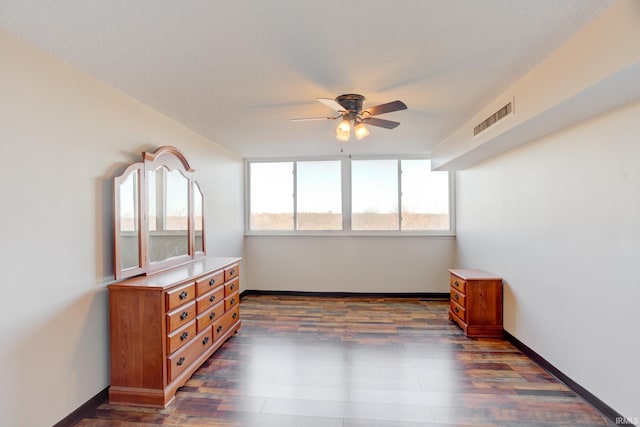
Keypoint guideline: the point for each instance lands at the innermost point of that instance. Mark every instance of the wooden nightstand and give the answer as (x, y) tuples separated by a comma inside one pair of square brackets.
[(476, 302)]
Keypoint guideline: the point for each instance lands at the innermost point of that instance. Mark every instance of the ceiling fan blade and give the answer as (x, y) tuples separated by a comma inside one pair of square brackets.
[(387, 124), (306, 119), (331, 103), (385, 108)]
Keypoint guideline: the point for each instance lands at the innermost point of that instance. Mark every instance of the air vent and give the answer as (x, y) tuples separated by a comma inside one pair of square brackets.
[(493, 119)]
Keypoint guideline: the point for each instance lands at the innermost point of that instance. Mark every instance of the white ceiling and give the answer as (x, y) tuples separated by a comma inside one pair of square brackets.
[(237, 71)]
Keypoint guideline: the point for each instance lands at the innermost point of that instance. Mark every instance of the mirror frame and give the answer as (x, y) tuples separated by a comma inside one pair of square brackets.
[(173, 159)]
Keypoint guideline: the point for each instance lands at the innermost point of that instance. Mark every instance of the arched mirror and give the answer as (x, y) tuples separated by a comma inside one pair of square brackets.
[(158, 214), (168, 210)]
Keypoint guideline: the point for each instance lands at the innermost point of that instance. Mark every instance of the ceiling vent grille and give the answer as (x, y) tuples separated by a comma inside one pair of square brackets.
[(493, 119)]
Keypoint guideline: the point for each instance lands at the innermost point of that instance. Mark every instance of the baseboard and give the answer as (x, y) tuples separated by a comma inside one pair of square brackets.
[(84, 410), (425, 295), (605, 409)]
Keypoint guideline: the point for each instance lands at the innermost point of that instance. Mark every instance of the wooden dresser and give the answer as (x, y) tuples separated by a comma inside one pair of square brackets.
[(164, 326), (476, 302)]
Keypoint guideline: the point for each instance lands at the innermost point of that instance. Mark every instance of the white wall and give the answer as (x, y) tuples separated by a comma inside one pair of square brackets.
[(349, 264), (559, 219), (63, 135)]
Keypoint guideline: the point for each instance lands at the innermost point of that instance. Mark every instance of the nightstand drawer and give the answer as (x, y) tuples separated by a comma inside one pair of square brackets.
[(459, 311), (458, 297), (458, 284)]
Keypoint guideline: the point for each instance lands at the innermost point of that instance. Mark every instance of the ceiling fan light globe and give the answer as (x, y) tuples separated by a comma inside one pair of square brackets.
[(361, 131), (343, 130), (344, 126), (343, 135)]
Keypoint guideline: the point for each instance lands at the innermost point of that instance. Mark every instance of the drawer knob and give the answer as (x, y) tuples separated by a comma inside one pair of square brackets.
[(232, 287), (184, 336), (233, 301), (455, 296), (235, 315), (212, 282), (205, 341), (183, 294), (184, 315), (219, 328), (212, 315), (232, 272), (456, 310), (456, 283), (212, 298), (180, 361)]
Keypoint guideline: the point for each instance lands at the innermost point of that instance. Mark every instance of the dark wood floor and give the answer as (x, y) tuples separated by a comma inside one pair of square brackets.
[(356, 362)]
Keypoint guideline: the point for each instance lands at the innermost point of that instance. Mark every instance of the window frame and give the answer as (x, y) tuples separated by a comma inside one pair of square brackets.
[(346, 183)]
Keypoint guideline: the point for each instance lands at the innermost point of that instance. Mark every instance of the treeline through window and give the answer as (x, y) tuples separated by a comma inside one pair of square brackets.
[(348, 195)]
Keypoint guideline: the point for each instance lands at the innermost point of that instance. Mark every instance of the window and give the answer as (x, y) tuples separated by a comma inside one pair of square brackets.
[(319, 195), (374, 195), (353, 196), (271, 196), (424, 196)]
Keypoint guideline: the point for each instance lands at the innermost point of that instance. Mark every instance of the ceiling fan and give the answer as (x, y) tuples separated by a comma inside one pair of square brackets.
[(349, 109)]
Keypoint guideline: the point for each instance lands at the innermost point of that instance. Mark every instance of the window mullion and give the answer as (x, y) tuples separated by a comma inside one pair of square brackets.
[(346, 194), (295, 195), (452, 197), (399, 194)]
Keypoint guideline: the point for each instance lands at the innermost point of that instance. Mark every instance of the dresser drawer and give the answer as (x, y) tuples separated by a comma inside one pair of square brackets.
[(458, 283), (181, 316), (459, 311), (458, 297), (231, 287), (222, 325), (206, 301), (181, 359), (208, 317), (209, 282), (231, 272), (180, 295), (180, 337), (231, 301)]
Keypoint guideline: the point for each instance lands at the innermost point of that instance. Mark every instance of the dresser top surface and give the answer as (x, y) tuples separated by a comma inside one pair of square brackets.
[(471, 274), (177, 275)]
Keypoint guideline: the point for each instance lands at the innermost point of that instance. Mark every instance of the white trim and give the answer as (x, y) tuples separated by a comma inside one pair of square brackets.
[(339, 233)]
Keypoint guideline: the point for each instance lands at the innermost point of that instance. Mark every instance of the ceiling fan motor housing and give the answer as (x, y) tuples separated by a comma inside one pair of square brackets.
[(351, 102)]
